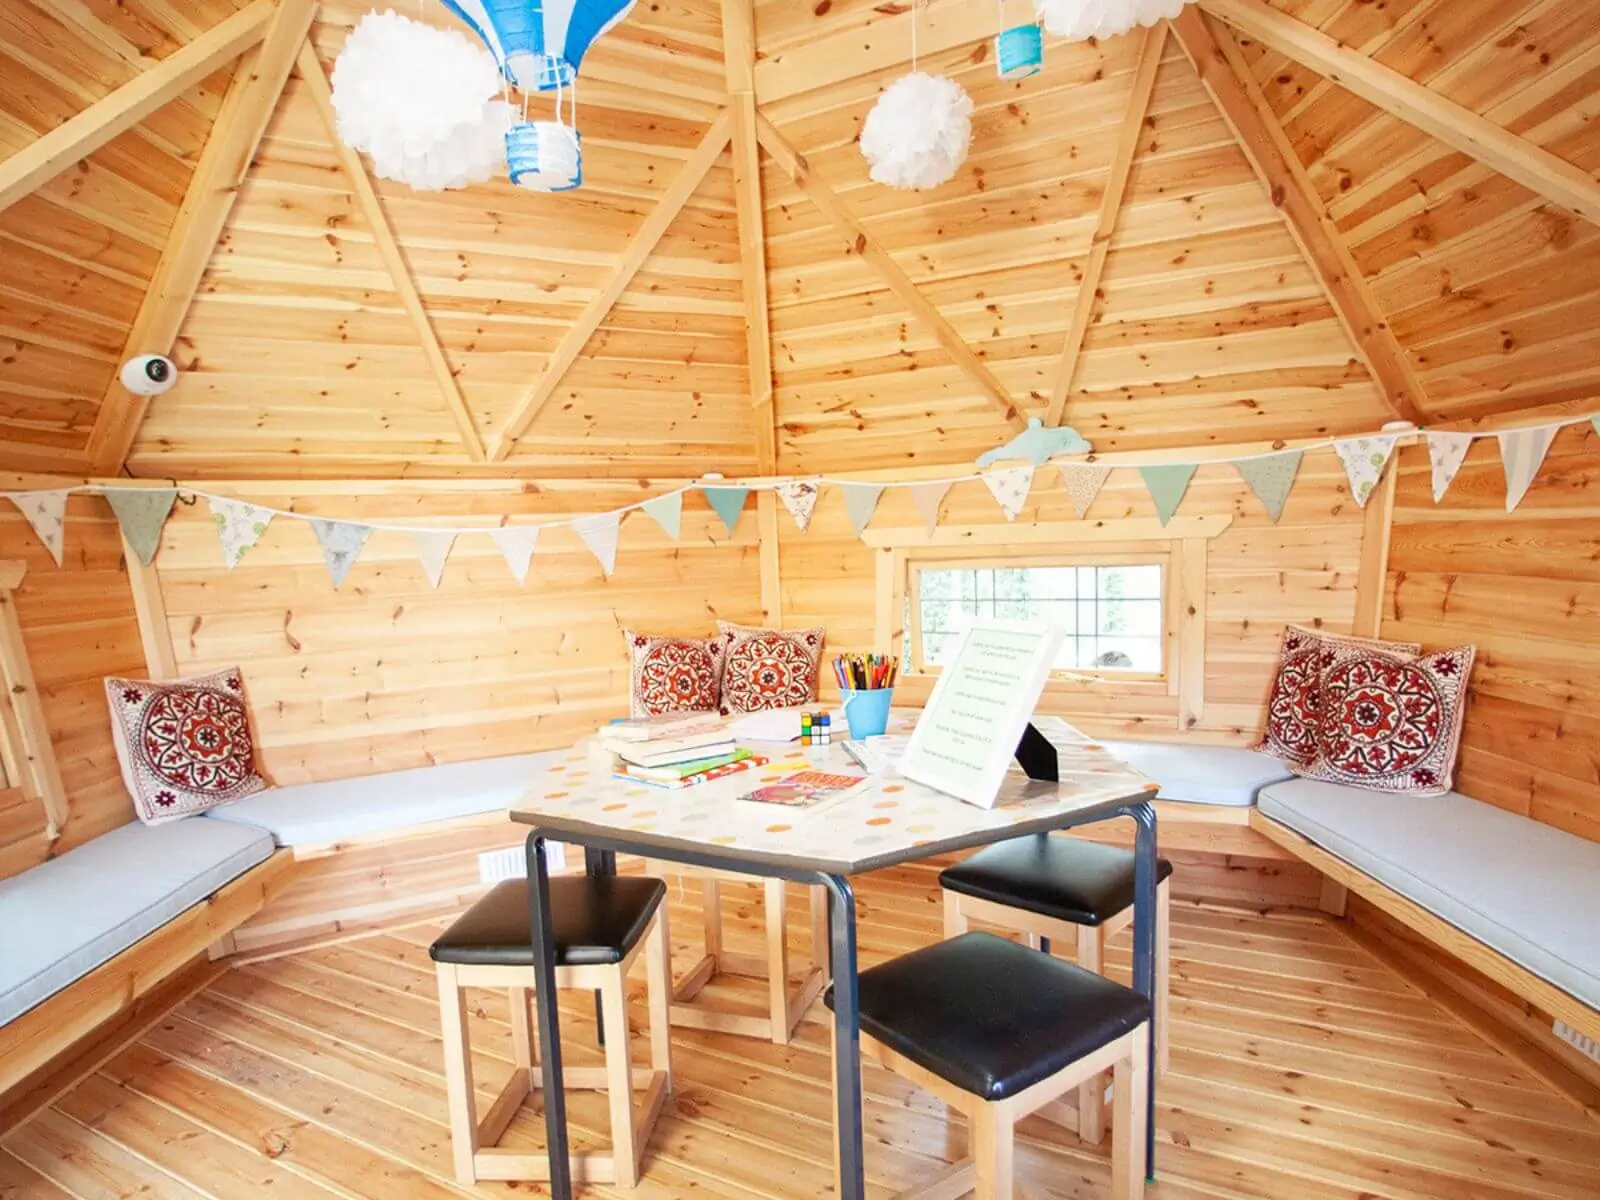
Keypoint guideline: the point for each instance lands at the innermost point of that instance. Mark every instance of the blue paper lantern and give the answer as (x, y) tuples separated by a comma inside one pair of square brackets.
[(539, 44), (544, 156), (1019, 51)]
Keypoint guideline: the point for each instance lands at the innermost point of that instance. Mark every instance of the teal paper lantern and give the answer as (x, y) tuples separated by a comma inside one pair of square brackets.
[(1019, 51)]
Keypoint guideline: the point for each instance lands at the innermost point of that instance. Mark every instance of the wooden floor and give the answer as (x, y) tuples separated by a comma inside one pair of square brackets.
[(1302, 1068)]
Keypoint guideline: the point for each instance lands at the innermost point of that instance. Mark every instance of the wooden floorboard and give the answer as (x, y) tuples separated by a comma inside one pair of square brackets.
[(1303, 1068)]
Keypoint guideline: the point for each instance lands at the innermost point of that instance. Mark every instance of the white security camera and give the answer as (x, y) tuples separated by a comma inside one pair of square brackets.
[(149, 374)]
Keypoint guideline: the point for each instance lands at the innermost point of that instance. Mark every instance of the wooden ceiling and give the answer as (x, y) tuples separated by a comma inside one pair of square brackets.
[(1180, 236)]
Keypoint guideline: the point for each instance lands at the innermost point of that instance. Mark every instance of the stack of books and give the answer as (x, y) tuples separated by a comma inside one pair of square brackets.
[(677, 751)]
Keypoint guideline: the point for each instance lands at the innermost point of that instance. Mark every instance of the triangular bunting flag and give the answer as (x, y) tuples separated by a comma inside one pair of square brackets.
[(141, 513), (47, 513), (1522, 453), (1166, 485), (239, 526), (1009, 487), (928, 497), (341, 543), (861, 501), (799, 496), (667, 512), (1595, 421), (1083, 484), (1364, 460), (728, 503), (1270, 478), (517, 543), (599, 533), (1446, 453), (433, 546)]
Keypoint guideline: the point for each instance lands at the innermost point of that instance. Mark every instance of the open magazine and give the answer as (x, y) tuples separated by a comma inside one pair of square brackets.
[(806, 789)]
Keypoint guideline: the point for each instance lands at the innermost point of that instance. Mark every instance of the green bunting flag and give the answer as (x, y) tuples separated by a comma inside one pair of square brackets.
[(667, 512), (728, 502), (1270, 478), (861, 501), (141, 513), (1166, 485)]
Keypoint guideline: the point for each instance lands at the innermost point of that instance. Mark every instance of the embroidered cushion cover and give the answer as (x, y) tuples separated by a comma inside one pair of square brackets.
[(1294, 708), (184, 745), (768, 668), (674, 674)]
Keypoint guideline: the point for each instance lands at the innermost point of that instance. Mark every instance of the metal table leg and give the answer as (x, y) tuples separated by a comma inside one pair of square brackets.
[(1144, 950), (846, 1040), (549, 1020)]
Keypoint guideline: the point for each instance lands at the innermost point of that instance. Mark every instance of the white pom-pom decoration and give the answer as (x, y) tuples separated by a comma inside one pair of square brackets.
[(1079, 20), (917, 134)]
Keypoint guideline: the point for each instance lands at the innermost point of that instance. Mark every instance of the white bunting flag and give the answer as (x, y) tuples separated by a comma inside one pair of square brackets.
[(239, 526), (861, 501), (1083, 484), (1009, 486), (517, 544), (928, 497), (433, 546), (667, 512), (341, 543), (47, 513), (799, 496), (1446, 453), (141, 515), (599, 533), (1364, 460), (1522, 453), (1270, 478)]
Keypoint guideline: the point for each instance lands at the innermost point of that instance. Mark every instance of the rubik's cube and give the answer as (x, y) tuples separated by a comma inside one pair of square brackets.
[(815, 729)]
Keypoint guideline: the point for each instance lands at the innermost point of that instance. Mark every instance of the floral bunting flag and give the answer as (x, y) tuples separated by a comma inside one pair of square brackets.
[(1522, 453), (239, 526), (1083, 484), (517, 544), (1446, 453), (861, 501), (47, 513), (1270, 478), (599, 533), (141, 514), (799, 496), (728, 503), (1364, 460), (341, 543), (1009, 487), (667, 512), (433, 546), (1166, 485), (928, 497)]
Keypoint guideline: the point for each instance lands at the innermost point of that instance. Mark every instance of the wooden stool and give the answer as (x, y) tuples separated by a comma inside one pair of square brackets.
[(997, 1032), (601, 924), (786, 1006), (1072, 890)]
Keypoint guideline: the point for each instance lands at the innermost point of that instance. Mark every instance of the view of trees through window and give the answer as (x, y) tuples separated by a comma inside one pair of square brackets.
[(1111, 614)]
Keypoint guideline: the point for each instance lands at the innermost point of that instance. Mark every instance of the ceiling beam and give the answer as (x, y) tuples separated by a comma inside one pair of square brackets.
[(371, 205), (77, 138), (1144, 84), (1531, 165), (1233, 88), (246, 109), (639, 248), (860, 243)]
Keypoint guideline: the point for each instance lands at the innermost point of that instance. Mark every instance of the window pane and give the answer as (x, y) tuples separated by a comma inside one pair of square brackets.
[(1140, 582), (1140, 618)]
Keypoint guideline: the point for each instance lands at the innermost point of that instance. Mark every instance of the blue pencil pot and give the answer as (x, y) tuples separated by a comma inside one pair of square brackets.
[(867, 712), (1019, 51)]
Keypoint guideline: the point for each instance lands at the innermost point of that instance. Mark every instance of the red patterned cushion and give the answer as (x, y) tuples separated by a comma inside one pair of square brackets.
[(184, 746), (768, 668), (673, 674), (1294, 708), (1392, 722)]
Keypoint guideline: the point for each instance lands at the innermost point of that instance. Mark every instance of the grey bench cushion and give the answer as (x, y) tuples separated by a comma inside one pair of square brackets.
[(1528, 890), (62, 919), (1219, 775)]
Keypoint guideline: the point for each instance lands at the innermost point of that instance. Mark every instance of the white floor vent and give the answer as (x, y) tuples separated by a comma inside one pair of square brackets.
[(512, 863), (1585, 1045)]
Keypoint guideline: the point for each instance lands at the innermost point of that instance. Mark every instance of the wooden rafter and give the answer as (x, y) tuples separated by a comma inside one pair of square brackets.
[(859, 242), (220, 173), (405, 286), (1238, 97), (76, 139), (1144, 84), (639, 249), (1531, 165)]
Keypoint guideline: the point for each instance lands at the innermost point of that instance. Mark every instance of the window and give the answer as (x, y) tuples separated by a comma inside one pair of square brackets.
[(1112, 613)]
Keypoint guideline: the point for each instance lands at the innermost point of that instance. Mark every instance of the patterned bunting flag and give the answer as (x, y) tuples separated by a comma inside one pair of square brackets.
[(239, 526), (799, 496), (47, 513), (667, 512), (1009, 487), (928, 497), (433, 546), (141, 512), (1270, 478), (341, 543), (861, 501), (517, 543), (1166, 485), (1446, 453), (728, 503), (1364, 460), (599, 533), (1595, 421), (1522, 453), (1083, 484)]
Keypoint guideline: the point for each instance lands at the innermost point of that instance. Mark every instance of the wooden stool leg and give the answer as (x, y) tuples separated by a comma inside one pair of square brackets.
[(459, 1094), (821, 934), (1129, 1086), (1163, 973), (992, 1135), (658, 993), (777, 903), (522, 1045), (955, 921), (619, 1080), (1092, 1091), (711, 913)]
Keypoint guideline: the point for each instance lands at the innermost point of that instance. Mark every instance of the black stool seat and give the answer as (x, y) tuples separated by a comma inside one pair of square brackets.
[(1066, 878), (597, 920), (992, 1017)]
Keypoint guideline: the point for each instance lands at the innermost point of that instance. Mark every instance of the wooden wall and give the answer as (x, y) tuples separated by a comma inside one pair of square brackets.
[(1525, 588)]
